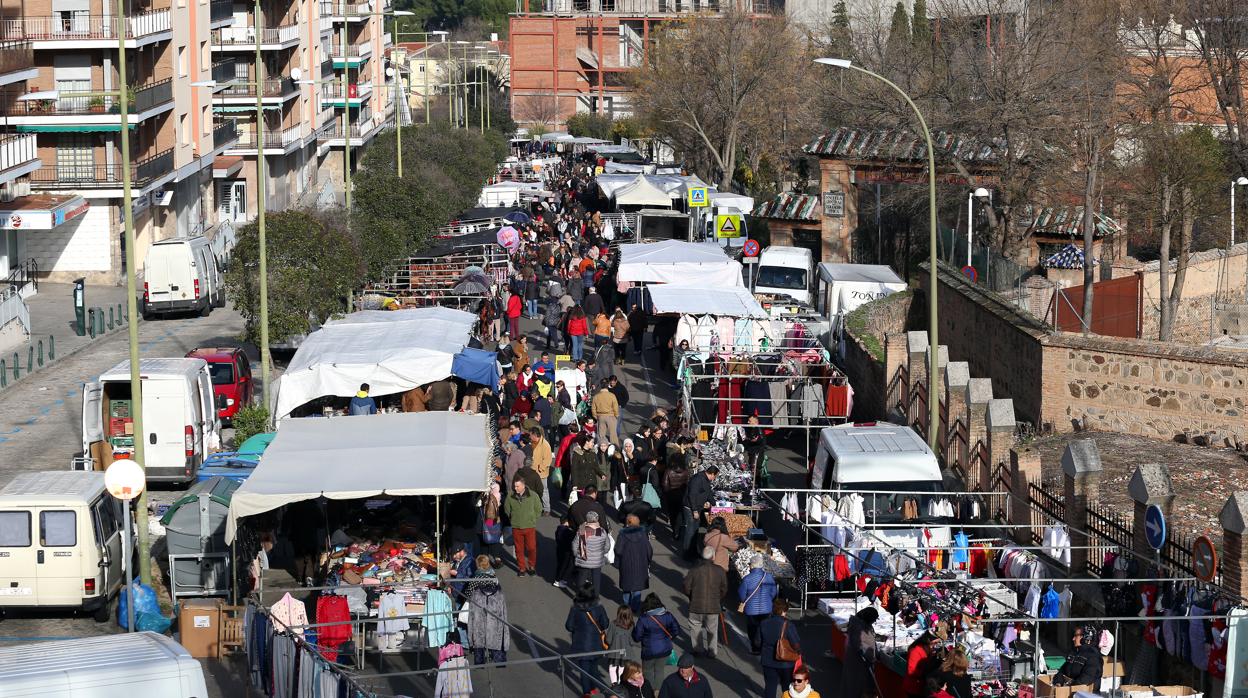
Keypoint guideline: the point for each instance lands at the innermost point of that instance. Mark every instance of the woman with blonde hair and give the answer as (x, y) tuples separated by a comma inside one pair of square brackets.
[(953, 673)]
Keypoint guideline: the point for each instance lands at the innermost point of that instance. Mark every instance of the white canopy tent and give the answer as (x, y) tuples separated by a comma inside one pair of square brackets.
[(730, 302), (642, 192), (696, 264), (400, 454), (508, 193), (391, 350)]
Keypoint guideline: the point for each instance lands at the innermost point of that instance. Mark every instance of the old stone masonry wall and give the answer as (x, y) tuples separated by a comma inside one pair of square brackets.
[(1145, 388)]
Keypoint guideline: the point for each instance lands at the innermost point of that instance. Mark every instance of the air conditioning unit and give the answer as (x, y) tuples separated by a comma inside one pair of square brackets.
[(11, 190)]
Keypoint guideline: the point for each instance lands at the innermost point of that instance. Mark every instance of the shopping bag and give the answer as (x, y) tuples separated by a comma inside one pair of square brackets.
[(672, 659), (610, 556), (650, 496), (556, 476)]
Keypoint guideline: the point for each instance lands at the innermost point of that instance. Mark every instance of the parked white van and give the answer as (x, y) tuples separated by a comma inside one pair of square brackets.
[(60, 543), (785, 271), (110, 666), (182, 274), (180, 422), (874, 457)]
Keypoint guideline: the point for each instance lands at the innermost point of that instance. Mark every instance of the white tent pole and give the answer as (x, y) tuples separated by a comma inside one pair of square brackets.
[(437, 531)]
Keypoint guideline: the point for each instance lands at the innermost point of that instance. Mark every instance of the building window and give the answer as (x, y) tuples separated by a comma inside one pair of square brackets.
[(205, 118), (75, 158), (205, 54), (184, 133), (182, 63)]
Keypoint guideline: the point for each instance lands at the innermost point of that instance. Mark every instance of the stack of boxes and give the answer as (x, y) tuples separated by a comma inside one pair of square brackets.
[(120, 427)]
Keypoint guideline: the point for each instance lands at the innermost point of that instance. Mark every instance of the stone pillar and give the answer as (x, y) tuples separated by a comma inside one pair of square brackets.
[(1001, 429), (957, 373), (1081, 470), (837, 231), (916, 351), (1024, 468), (895, 355), (942, 360), (1234, 520), (1150, 484), (978, 395)]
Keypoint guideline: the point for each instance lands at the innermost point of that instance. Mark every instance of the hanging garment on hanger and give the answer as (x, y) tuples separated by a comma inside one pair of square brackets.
[(811, 402), (454, 679), (1050, 603), (838, 400), (1057, 543), (757, 400), (961, 553), (743, 335), (392, 610), (686, 330), (1031, 603), (850, 507), (333, 610), (283, 664), (779, 394), (288, 612), (1063, 607), (438, 619)]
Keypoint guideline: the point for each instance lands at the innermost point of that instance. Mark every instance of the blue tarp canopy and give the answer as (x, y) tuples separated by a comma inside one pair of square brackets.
[(476, 366)]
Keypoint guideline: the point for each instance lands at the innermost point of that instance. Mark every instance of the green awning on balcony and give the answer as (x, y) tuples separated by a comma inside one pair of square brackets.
[(72, 128)]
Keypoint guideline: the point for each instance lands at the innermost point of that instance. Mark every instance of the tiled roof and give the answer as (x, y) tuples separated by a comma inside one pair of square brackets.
[(885, 144), (1068, 220), (790, 206)]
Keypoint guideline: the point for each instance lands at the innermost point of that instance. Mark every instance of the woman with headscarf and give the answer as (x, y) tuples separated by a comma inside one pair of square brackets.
[(858, 672)]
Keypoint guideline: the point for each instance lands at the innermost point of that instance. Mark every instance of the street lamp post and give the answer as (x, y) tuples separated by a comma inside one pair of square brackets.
[(1242, 181), (983, 195), (933, 400), (442, 40)]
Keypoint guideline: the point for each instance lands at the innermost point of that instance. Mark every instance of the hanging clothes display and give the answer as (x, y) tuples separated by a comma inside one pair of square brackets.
[(1057, 543), (438, 621), (332, 610), (289, 612)]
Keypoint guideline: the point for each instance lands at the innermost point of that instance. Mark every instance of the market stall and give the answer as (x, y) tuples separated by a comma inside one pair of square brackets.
[(641, 193), (392, 351), (695, 264)]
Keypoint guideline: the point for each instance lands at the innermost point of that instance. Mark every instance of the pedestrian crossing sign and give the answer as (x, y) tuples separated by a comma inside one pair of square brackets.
[(728, 225), (697, 197)]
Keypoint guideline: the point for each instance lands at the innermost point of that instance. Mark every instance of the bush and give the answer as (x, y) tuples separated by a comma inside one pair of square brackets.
[(249, 421)]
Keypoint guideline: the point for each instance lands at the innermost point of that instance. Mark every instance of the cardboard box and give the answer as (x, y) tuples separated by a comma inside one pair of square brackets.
[(1177, 692), (120, 426), (199, 626), (1046, 689)]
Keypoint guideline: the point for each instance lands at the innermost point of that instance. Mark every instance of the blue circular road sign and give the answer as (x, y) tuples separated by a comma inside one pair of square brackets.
[(1154, 527)]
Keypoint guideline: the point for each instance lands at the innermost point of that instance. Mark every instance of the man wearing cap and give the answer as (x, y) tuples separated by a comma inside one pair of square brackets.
[(685, 682), (462, 567)]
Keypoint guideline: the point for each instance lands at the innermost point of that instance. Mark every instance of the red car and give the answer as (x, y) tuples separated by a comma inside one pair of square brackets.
[(231, 377)]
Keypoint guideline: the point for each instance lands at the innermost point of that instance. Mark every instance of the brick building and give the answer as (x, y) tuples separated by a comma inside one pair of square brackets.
[(570, 56)]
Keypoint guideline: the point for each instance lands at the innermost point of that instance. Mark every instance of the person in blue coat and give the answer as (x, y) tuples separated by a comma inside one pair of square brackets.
[(657, 631), (362, 403), (587, 621), (776, 673), (756, 592)]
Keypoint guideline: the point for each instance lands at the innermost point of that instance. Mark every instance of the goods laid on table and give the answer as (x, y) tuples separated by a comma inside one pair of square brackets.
[(734, 487), (774, 560)]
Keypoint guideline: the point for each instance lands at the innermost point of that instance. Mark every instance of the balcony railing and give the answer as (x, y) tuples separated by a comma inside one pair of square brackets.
[(358, 129), (144, 97), (387, 39), (78, 176), (221, 9), (333, 91), (272, 138), (16, 55), (352, 50), (224, 133), (17, 149), (223, 71), (246, 36), (79, 27), (272, 88), (345, 9)]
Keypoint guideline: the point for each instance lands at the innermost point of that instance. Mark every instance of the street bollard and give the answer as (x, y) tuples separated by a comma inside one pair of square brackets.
[(4, 374), (121, 315), (17, 366), (110, 317), (51, 347), (30, 359), (41, 353), (91, 322)]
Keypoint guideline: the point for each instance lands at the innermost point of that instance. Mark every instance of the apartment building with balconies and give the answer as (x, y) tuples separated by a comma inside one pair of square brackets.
[(68, 103)]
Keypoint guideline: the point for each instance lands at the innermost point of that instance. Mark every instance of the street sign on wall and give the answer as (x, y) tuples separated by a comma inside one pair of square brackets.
[(834, 203)]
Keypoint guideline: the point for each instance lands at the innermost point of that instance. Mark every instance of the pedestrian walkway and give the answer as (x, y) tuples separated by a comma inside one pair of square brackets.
[(52, 313)]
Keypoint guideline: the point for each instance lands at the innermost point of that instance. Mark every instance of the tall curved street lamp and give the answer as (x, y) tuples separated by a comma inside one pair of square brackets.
[(933, 395)]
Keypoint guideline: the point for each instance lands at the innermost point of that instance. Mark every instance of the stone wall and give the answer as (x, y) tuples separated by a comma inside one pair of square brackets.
[(867, 330), (1149, 388), (1208, 273), (869, 379)]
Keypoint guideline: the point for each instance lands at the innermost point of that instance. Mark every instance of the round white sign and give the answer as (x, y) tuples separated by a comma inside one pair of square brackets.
[(124, 479)]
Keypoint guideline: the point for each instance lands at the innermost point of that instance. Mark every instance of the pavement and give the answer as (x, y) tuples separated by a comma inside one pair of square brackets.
[(40, 428)]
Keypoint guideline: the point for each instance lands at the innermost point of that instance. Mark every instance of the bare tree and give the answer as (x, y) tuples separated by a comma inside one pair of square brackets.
[(541, 108), (712, 86), (1216, 30)]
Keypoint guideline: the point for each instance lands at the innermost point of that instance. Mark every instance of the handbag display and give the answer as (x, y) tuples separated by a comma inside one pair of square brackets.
[(785, 651)]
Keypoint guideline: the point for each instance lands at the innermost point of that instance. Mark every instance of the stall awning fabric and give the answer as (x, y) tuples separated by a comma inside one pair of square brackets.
[(693, 264), (399, 454), (391, 350), (476, 366), (735, 302), (642, 192)]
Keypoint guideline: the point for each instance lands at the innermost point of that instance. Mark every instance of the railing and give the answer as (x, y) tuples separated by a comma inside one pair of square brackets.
[(1107, 530), (272, 138), (223, 71), (16, 55), (333, 90), (898, 392), (224, 133), (83, 27), (13, 307), (1046, 508), (220, 9), (325, 116), (563, 7), (17, 149), (344, 9), (75, 176), (326, 23), (352, 50), (358, 129), (144, 97), (246, 36), (23, 275), (276, 87)]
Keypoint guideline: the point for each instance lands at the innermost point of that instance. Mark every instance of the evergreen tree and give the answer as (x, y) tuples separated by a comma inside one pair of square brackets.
[(898, 31), (839, 38), (920, 28)]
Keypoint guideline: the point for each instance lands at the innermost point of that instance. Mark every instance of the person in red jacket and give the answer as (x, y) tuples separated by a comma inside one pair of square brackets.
[(921, 659), (515, 306), (578, 329)]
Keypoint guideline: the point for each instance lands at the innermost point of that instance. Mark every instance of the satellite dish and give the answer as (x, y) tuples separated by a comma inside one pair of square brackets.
[(296, 74)]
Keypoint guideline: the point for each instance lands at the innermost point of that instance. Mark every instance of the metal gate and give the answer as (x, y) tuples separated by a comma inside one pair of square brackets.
[(1117, 308)]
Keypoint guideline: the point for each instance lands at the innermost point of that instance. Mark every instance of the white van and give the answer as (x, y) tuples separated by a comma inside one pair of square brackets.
[(182, 274), (785, 271), (60, 543), (874, 457), (109, 666), (180, 420)]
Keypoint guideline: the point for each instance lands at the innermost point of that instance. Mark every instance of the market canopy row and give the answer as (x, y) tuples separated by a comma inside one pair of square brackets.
[(398, 454), (735, 302), (700, 264), (391, 350)]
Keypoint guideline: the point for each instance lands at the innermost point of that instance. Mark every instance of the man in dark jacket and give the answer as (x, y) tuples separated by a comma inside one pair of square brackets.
[(686, 682), (587, 502), (705, 585), (592, 305), (698, 496), (1083, 664), (633, 554), (636, 506)]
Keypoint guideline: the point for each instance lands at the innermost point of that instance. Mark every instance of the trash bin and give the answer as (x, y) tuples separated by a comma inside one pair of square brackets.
[(199, 559)]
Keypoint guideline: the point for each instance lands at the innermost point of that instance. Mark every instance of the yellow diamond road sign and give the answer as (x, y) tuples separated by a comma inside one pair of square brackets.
[(728, 225), (697, 197)]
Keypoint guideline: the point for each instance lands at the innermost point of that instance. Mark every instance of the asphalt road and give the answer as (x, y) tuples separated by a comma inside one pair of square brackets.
[(40, 429)]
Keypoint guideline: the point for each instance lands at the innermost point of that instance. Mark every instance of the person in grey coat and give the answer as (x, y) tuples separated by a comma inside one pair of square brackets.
[(487, 618), (590, 547)]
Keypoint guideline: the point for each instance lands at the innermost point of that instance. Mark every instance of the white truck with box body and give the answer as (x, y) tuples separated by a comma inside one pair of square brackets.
[(886, 464), (182, 274), (180, 421), (785, 271), (133, 665), (60, 543)]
